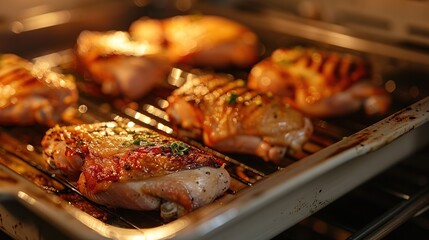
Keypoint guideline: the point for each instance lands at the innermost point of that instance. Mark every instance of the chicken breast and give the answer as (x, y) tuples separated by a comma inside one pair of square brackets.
[(319, 83), (31, 94), (200, 40), (133, 167), (233, 118), (121, 66)]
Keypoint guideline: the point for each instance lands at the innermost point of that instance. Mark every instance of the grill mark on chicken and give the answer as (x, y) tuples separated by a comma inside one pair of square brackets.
[(234, 118), (30, 94), (220, 88), (319, 83), (217, 88), (135, 168)]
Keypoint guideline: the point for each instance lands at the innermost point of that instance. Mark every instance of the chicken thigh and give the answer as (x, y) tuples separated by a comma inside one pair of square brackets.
[(233, 118), (31, 94), (200, 40), (319, 83), (121, 66), (133, 167)]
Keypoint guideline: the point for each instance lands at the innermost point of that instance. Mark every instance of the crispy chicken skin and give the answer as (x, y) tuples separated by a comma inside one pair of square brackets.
[(232, 118), (319, 83), (132, 63), (30, 94), (200, 40), (136, 168), (121, 66)]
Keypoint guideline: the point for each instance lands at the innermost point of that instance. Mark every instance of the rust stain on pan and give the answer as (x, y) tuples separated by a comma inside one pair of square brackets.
[(372, 134), (353, 142)]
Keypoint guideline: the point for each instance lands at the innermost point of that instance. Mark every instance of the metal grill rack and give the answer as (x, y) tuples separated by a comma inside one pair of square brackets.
[(20, 152)]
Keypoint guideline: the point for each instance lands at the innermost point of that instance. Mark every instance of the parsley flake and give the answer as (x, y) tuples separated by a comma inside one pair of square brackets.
[(232, 98), (179, 148)]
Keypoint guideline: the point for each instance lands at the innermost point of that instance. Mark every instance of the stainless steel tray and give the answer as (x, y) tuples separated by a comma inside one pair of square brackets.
[(264, 199)]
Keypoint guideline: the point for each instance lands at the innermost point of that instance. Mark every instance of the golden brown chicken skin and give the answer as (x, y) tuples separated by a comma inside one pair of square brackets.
[(319, 83), (121, 66), (200, 40), (132, 167), (30, 94), (234, 118)]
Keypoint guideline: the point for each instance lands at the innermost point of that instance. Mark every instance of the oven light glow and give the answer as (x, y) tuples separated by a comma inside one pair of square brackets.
[(41, 21), (83, 108), (30, 148), (164, 128), (155, 111), (130, 124), (162, 103), (140, 116), (175, 77), (390, 86), (30, 200)]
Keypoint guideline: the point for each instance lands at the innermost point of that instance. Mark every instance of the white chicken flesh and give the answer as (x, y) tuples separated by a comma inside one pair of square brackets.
[(133, 167)]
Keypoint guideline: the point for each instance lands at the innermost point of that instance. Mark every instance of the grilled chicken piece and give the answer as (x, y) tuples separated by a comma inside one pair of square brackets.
[(319, 83), (133, 167), (200, 40), (30, 94), (233, 118), (121, 66)]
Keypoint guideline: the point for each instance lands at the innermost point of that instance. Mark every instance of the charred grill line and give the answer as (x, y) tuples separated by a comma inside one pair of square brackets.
[(221, 87), (333, 64)]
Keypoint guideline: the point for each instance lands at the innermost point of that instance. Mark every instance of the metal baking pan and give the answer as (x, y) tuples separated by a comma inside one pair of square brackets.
[(264, 199)]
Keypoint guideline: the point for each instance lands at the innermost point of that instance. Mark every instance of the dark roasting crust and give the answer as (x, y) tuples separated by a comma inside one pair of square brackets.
[(111, 155)]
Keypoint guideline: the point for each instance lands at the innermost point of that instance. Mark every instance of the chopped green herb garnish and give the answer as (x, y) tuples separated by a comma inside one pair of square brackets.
[(232, 98), (139, 142), (80, 143), (179, 148), (142, 142), (142, 139)]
